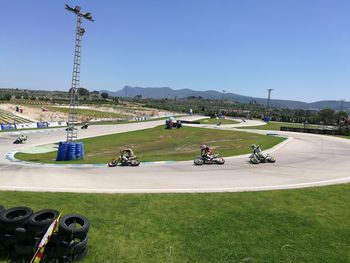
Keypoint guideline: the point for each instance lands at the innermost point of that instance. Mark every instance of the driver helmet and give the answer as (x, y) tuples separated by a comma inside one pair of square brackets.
[(253, 146), (203, 147)]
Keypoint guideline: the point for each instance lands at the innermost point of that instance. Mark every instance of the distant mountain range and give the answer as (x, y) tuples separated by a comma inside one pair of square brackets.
[(165, 92)]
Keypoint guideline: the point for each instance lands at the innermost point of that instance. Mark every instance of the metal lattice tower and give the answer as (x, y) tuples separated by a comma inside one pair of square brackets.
[(72, 131)]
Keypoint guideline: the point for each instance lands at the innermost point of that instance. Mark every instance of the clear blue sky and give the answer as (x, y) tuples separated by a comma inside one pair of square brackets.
[(299, 48)]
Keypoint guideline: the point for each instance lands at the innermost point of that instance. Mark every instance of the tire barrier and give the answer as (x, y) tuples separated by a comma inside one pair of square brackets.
[(79, 151), (70, 151), (21, 231)]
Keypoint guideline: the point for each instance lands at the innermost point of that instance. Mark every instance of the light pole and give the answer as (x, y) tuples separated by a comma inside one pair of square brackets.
[(223, 94), (72, 131), (269, 98), (342, 104)]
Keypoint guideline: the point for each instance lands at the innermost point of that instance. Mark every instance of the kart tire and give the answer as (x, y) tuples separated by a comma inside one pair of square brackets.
[(220, 160), (68, 224), (198, 161), (41, 220), (15, 217), (134, 162)]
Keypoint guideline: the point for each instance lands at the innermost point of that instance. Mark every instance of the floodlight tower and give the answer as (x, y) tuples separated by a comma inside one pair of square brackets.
[(223, 94), (269, 98), (72, 131)]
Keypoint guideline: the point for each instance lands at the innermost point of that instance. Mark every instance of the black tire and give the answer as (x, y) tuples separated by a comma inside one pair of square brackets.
[(24, 250), (74, 257), (41, 220), (7, 240), (68, 225), (2, 209), (20, 234), (68, 248), (220, 160), (198, 161), (270, 159), (253, 161), (15, 217), (81, 254), (134, 162)]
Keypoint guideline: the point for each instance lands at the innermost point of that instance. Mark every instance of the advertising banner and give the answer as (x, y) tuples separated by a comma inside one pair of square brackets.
[(8, 127), (30, 125), (57, 123), (42, 124)]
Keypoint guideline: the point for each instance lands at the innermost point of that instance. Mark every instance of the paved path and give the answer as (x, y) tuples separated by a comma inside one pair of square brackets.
[(303, 160)]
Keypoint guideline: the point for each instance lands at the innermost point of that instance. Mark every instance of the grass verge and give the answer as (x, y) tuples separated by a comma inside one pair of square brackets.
[(304, 225), (275, 126), (216, 121), (159, 144)]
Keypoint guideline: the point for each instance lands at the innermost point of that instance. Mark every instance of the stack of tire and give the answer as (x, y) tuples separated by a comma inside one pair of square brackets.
[(21, 231)]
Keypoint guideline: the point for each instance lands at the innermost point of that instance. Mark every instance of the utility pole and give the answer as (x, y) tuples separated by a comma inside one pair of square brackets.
[(72, 131), (269, 98), (223, 94)]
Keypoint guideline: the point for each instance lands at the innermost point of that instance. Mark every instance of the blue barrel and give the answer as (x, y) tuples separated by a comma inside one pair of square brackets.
[(79, 151), (62, 151), (71, 151)]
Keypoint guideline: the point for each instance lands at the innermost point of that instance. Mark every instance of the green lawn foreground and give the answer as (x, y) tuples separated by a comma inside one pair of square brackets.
[(159, 144), (303, 225), (275, 126), (216, 121)]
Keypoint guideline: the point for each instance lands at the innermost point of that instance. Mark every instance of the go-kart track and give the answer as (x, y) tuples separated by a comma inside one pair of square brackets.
[(303, 160)]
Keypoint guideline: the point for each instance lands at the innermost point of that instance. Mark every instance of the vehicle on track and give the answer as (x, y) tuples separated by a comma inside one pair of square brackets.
[(126, 158), (215, 159), (128, 162), (20, 139), (85, 126), (257, 156)]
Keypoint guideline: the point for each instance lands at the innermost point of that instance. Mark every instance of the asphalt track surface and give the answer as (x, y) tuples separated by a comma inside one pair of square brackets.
[(304, 160)]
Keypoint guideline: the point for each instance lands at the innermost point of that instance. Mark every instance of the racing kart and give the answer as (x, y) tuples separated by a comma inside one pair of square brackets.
[(216, 159)]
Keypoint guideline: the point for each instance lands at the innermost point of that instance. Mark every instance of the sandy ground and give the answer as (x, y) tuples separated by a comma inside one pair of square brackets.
[(35, 113)]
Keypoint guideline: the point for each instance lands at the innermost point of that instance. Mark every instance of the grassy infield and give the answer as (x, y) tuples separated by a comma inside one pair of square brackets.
[(307, 225), (216, 121), (158, 144)]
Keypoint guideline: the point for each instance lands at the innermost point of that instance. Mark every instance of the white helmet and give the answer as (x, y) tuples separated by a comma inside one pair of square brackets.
[(203, 147)]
